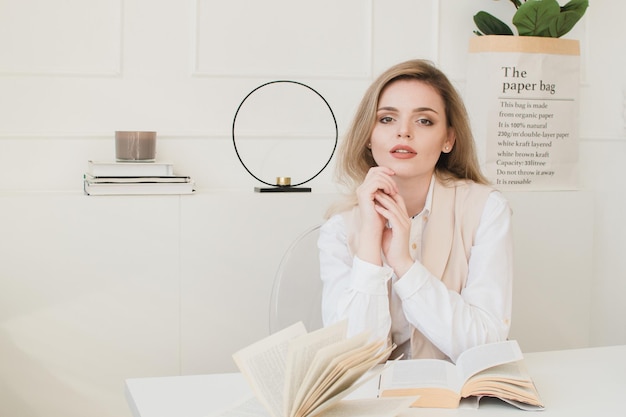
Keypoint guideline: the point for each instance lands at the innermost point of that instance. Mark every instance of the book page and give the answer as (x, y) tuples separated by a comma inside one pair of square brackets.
[(486, 356), (323, 363), (301, 352), (367, 378), (333, 370), (263, 365), (514, 372), (420, 373), (344, 383), (509, 381), (439, 373)]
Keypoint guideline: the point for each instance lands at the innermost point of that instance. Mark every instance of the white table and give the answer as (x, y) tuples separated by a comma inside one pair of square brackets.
[(578, 382)]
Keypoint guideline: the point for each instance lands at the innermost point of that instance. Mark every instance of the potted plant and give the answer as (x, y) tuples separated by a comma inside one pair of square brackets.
[(544, 18)]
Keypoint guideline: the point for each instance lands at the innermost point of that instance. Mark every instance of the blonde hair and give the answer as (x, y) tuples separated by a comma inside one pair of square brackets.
[(355, 158)]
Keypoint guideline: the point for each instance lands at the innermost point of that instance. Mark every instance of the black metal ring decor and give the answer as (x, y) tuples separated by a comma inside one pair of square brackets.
[(284, 183)]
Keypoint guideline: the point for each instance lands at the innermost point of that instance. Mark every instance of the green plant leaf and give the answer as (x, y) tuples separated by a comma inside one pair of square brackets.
[(563, 24), (491, 25), (534, 17), (579, 6), (570, 14)]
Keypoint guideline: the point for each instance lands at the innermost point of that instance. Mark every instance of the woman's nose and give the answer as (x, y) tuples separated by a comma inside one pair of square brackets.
[(404, 131)]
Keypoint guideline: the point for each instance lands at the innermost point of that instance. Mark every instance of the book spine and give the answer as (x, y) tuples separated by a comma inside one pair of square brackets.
[(138, 189), (130, 169), (135, 179)]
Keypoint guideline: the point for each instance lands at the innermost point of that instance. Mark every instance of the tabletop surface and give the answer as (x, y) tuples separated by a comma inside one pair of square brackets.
[(576, 382)]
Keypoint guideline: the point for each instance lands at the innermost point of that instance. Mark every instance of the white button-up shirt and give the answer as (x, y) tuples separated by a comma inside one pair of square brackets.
[(454, 322)]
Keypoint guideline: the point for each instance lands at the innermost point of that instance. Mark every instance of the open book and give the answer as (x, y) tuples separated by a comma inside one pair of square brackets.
[(491, 370), (298, 374)]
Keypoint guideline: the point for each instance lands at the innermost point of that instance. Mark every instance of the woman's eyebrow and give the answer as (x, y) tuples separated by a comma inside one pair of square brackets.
[(421, 109), (416, 110)]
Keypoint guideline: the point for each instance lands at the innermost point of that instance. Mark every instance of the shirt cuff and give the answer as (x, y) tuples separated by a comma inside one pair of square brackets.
[(411, 282), (369, 278)]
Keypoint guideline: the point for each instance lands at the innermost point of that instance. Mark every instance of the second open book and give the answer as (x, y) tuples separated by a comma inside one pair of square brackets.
[(491, 370)]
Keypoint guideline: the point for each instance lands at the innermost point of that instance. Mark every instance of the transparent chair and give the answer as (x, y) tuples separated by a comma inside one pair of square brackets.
[(297, 289)]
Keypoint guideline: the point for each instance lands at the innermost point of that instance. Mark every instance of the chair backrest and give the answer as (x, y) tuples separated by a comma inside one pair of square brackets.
[(297, 290)]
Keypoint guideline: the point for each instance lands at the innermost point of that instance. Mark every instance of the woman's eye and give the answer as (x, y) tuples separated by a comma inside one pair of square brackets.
[(424, 122), (386, 119)]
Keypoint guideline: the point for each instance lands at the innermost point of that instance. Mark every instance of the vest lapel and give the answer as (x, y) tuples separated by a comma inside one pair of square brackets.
[(438, 244)]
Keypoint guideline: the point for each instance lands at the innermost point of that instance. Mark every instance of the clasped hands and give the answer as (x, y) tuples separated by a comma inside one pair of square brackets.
[(385, 222)]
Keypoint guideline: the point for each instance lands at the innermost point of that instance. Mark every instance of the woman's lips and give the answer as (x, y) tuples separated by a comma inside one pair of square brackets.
[(402, 152)]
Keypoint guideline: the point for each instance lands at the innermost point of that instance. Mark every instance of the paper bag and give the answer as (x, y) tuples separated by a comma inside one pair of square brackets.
[(522, 95)]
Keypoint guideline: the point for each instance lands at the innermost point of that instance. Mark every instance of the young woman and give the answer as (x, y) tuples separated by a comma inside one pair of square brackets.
[(421, 251)]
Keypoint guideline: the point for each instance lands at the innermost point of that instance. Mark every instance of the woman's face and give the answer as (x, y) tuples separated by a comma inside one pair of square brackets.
[(411, 129)]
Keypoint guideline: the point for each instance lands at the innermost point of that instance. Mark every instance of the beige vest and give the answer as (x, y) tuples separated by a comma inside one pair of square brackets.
[(446, 243)]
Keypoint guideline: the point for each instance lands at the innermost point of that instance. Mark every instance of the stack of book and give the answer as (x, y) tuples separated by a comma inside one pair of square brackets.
[(134, 178)]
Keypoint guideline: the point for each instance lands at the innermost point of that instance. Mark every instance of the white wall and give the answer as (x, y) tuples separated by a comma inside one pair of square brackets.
[(97, 289)]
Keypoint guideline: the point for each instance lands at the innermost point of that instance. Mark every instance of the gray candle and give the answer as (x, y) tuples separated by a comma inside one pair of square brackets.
[(135, 146)]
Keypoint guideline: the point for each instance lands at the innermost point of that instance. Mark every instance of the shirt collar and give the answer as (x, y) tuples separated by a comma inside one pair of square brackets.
[(428, 204), (429, 197)]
